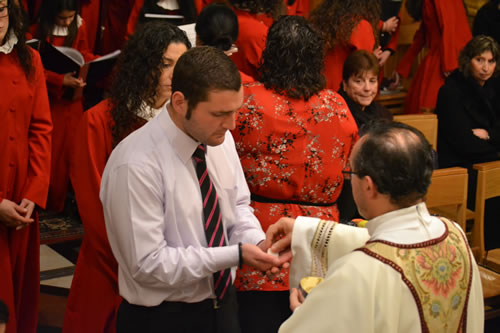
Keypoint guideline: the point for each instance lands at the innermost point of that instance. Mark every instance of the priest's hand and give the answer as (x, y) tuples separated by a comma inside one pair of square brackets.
[(256, 257), (296, 299), (13, 215)]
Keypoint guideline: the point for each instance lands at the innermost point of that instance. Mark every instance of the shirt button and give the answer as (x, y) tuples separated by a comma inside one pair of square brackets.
[(12, 164), (11, 138), (12, 110), (15, 81)]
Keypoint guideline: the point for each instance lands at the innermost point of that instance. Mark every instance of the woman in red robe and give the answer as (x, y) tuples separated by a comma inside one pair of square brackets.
[(254, 20), (60, 25), (24, 169), (140, 90), (445, 31), (294, 139), (346, 26)]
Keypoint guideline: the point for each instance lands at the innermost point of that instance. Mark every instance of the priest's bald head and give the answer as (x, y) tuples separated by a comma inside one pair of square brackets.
[(391, 166)]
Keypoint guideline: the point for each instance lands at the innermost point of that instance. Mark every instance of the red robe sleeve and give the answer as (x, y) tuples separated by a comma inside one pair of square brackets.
[(39, 139), (200, 4), (134, 17), (393, 42), (91, 148), (418, 43), (455, 32), (362, 37), (90, 10)]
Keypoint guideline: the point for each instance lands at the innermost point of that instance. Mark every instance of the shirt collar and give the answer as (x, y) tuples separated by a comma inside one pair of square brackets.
[(400, 219), (63, 31), (181, 143), (9, 44)]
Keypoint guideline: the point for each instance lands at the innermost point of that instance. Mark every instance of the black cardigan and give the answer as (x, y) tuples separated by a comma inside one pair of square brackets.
[(463, 105)]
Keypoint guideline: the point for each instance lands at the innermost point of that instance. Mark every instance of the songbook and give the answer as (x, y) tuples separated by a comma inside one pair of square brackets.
[(34, 43), (63, 60), (190, 32)]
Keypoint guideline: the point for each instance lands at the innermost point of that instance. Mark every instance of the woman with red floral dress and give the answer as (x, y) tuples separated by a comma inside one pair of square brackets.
[(294, 139)]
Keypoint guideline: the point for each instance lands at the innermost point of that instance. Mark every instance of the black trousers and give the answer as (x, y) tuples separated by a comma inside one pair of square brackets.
[(179, 317), (263, 311)]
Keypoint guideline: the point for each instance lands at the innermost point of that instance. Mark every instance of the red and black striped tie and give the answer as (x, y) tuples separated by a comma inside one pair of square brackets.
[(214, 230)]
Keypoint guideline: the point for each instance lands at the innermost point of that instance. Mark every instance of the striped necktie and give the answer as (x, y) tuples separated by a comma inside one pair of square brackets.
[(214, 230)]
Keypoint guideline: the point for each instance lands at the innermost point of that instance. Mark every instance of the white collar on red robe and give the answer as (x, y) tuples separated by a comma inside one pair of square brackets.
[(168, 4), (8, 46), (147, 112), (63, 31)]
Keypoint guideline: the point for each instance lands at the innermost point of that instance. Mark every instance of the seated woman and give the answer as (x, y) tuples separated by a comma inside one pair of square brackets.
[(468, 110), (360, 87), (294, 138)]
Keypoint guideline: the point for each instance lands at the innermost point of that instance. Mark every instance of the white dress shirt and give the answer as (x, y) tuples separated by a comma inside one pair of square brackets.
[(154, 218)]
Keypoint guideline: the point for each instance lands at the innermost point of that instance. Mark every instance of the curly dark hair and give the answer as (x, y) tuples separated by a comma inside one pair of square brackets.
[(47, 19), (18, 25), (336, 19), (139, 71), (270, 7), (293, 60), (217, 26), (475, 47), (398, 159)]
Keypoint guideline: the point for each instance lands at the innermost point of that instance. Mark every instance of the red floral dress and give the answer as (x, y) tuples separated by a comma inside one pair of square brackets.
[(293, 153)]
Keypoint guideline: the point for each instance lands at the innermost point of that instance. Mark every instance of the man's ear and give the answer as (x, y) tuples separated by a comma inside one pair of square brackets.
[(370, 187), (179, 103)]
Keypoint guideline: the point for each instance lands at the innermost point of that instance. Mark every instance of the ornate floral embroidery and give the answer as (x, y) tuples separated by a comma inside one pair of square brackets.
[(292, 150), (440, 269), (438, 275)]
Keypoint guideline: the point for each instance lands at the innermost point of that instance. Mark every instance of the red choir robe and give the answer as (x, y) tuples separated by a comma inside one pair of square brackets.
[(65, 115), (24, 173), (200, 4), (362, 38), (93, 300), (300, 7), (134, 17), (292, 150), (445, 31), (89, 11), (251, 42), (115, 19)]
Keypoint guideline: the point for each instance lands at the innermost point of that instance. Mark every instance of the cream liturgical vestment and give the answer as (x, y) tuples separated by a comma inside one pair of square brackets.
[(386, 292)]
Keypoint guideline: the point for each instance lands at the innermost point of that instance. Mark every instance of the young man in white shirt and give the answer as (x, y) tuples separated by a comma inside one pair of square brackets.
[(164, 188)]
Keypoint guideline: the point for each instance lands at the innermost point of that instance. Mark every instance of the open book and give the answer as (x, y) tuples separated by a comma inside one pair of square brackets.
[(63, 60)]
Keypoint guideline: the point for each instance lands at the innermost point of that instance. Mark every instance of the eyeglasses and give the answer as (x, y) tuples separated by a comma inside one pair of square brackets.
[(348, 174), (4, 11)]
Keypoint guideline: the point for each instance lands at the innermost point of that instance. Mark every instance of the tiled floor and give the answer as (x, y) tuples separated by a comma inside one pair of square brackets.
[(56, 273)]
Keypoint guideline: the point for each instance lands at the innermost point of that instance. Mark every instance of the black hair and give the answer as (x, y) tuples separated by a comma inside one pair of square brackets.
[(18, 25), (398, 159), (217, 26), (47, 19), (202, 70), (139, 70), (293, 60)]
